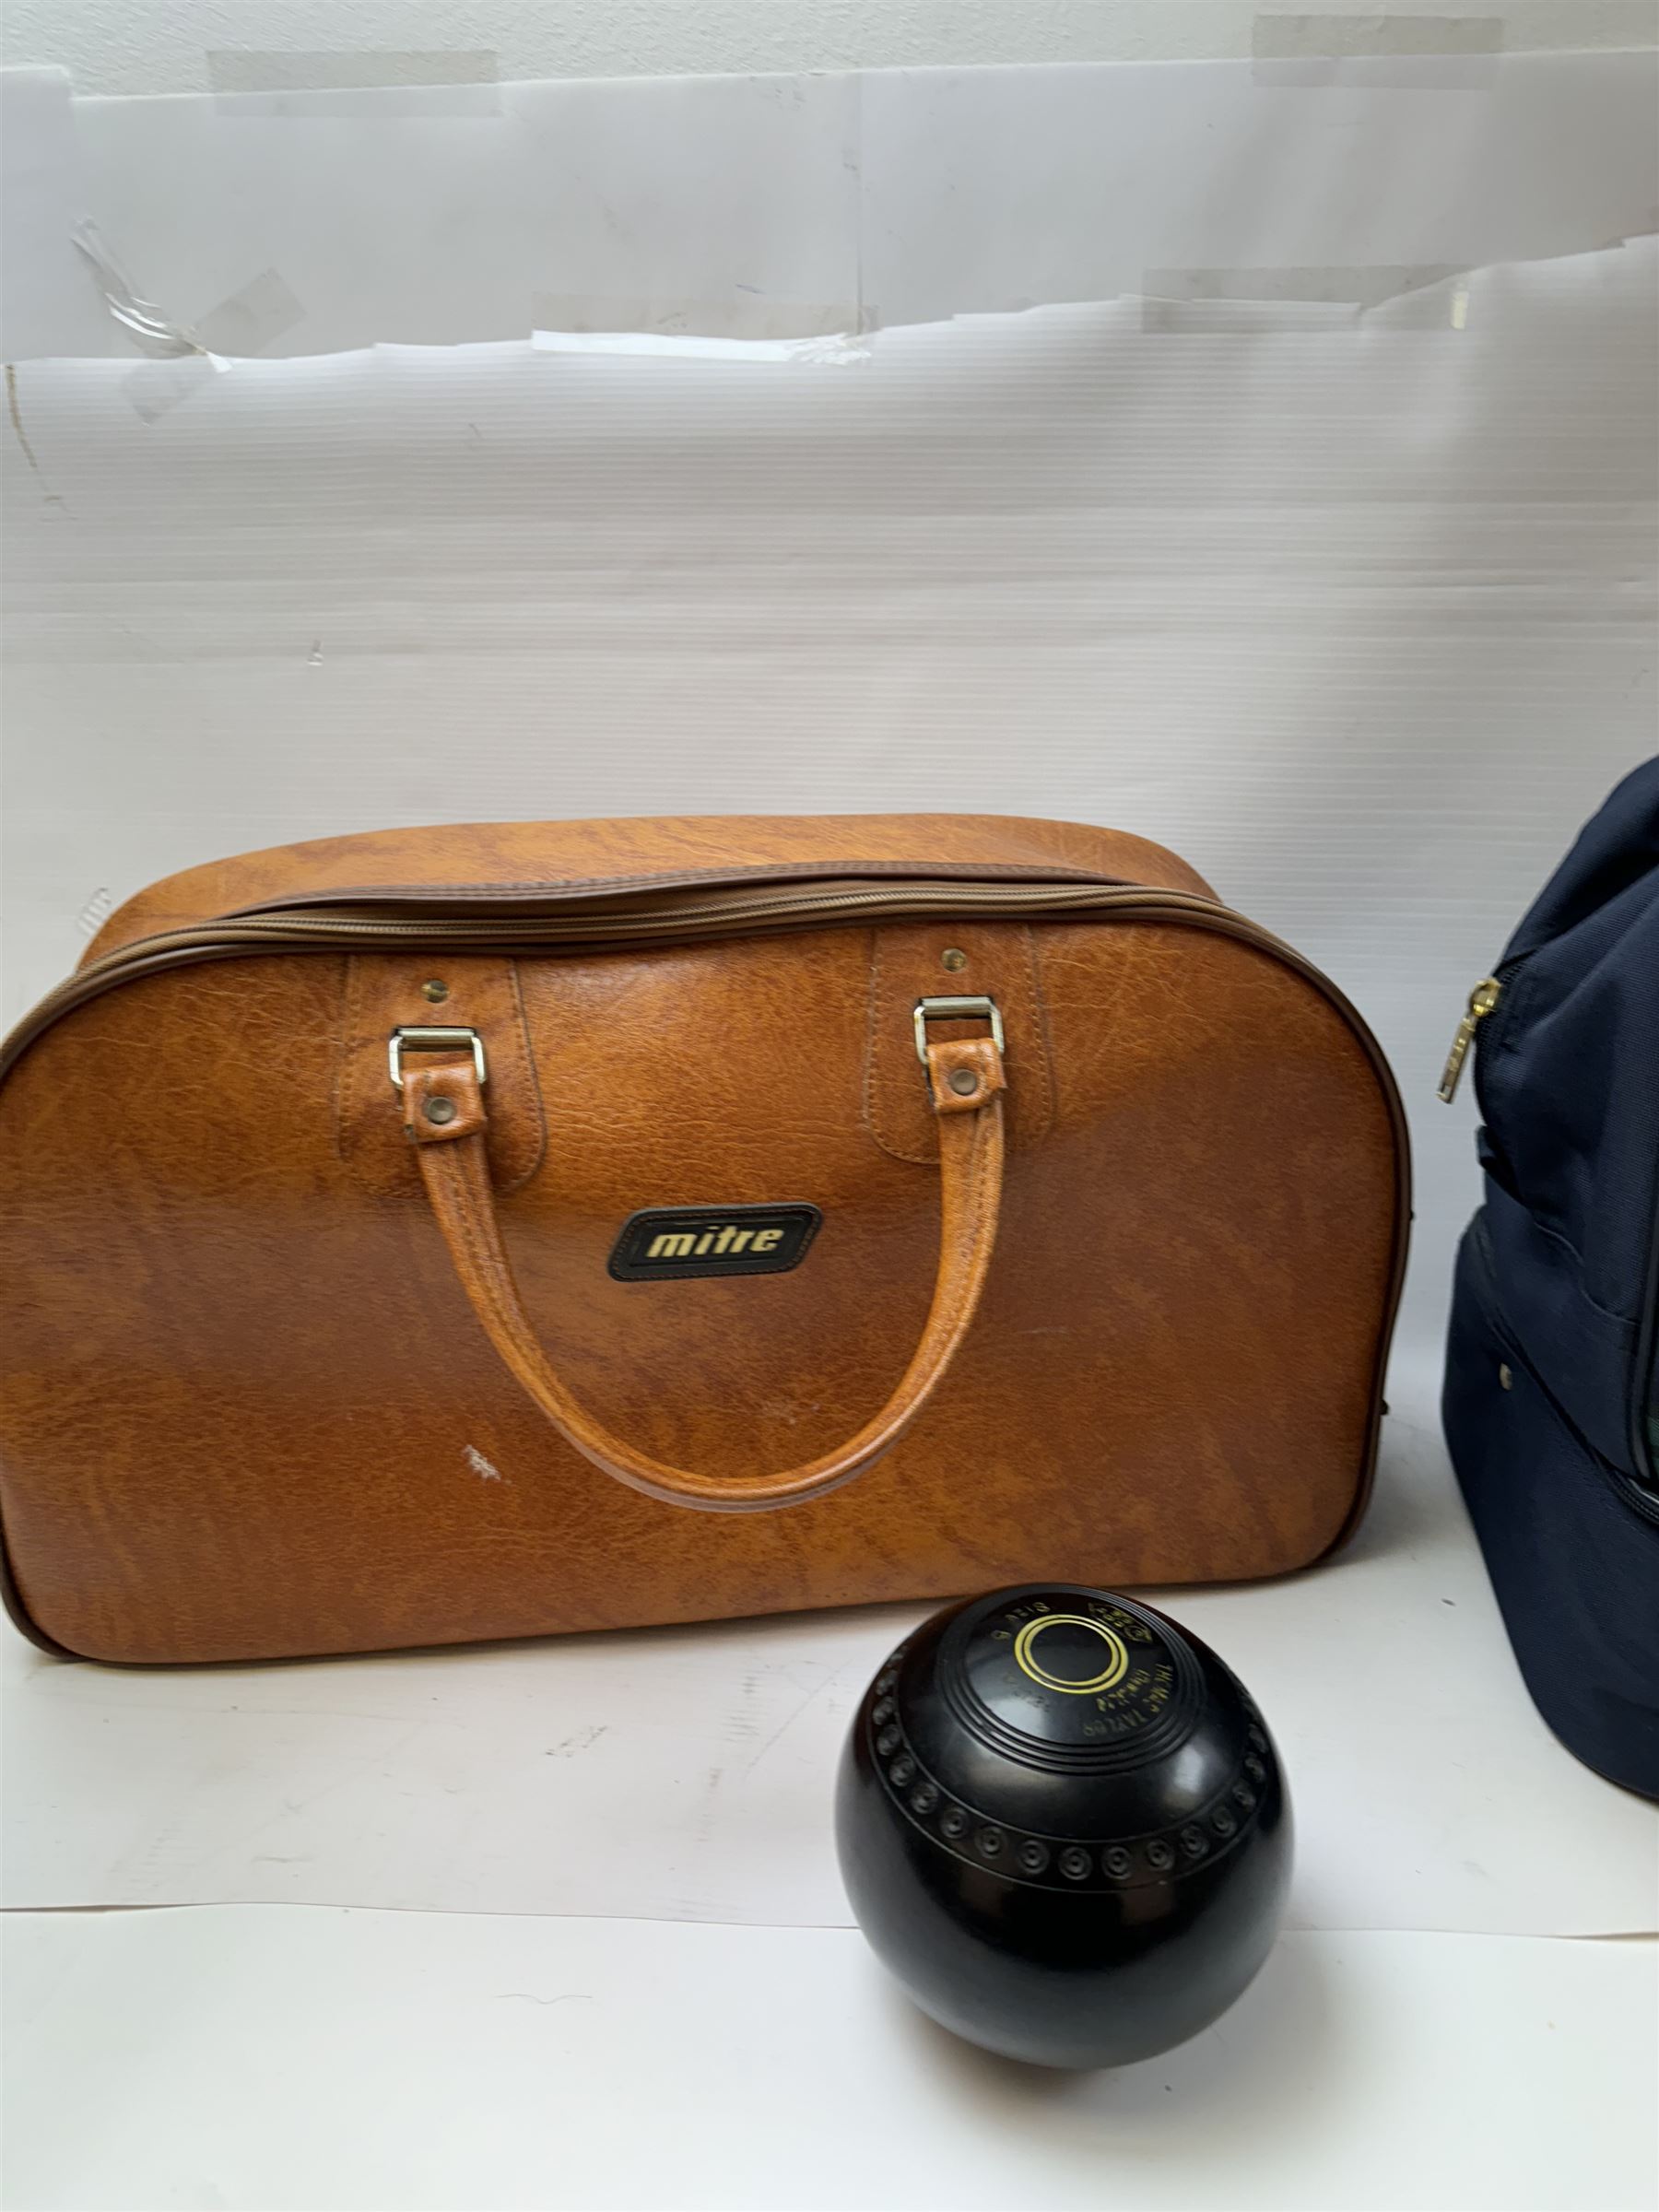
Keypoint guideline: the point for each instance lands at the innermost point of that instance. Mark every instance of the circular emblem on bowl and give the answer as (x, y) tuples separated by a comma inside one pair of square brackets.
[(1071, 1652)]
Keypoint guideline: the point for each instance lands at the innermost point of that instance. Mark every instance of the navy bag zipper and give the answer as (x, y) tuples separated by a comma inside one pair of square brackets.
[(1640, 1491)]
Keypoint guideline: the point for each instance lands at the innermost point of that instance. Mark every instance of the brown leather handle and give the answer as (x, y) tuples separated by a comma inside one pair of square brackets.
[(443, 1113)]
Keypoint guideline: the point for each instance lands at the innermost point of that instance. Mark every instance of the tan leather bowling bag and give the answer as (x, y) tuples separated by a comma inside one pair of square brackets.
[(492, 1231)]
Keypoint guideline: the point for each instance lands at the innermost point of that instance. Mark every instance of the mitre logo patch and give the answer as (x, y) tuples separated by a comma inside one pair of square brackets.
[(667, 1244)]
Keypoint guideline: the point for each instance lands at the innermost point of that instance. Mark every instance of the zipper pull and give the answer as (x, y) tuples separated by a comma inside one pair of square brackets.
[(1482, 999)]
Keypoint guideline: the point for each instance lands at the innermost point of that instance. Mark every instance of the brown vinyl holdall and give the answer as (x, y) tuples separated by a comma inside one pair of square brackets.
[(489, 1231)]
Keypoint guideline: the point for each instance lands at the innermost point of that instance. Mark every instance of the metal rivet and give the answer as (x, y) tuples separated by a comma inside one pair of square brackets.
[(434, 990), (964, 1082), (1506, 1376), (440, 1109), (953, 960)]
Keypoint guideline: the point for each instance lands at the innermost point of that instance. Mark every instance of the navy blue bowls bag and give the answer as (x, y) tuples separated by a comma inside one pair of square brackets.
[(1552, 1397)]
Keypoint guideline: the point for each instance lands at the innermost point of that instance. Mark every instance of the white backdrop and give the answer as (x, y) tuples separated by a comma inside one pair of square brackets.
[(1319, 546)]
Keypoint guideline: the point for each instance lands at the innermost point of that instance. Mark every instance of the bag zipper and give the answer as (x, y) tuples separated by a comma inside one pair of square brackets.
[(1483, 1000), (620, 924), (1640, 1490)]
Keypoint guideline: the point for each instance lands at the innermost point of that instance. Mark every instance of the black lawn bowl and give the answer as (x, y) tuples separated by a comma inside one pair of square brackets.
[(1062, 1826)]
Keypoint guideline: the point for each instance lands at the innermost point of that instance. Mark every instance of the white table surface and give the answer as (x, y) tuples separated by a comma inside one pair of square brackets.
[(620, 1972), (301, 2057)]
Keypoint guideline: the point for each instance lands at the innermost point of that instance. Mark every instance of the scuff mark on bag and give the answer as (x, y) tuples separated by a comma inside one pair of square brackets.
[(481, 1467)]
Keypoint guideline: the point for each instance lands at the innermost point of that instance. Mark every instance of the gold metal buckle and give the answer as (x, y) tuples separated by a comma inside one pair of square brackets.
[(420, 1039), (955, 1010)]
